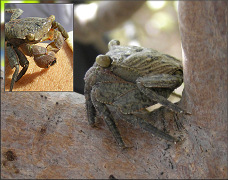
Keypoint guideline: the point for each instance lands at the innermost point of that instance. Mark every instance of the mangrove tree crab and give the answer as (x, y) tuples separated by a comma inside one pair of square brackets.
[(127, 80), (24, 33)]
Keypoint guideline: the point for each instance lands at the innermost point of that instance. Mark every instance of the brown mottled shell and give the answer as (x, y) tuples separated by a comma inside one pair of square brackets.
[(131, 62), (20, 28), (144, 60)]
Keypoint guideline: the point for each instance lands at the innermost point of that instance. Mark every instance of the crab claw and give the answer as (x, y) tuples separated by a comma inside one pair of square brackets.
[(57, 43), (45, 60), (42, 57)]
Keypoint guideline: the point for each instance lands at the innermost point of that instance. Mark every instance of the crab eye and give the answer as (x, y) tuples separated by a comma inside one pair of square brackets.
[(30, 37), (103, 60), (52, 17), (113, 43)]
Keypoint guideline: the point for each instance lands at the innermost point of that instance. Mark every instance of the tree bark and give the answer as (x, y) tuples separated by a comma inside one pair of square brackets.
[(203, 27)]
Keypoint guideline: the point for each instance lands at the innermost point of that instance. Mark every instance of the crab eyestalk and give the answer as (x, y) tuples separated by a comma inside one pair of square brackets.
[(103, 61), (30, 37), (113, 43)]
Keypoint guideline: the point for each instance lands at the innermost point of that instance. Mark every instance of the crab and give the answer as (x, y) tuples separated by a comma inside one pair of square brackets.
[(21, 36), (127, 80)]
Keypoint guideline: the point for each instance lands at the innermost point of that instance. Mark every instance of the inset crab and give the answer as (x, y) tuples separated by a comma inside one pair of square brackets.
[(127, 80), (24, 34)]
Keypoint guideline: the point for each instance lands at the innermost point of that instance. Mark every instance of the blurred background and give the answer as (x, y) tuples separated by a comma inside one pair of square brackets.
[(154, 25)]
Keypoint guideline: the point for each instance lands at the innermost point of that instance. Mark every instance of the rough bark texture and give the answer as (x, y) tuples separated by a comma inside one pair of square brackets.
[(203, 27), (46, 135)]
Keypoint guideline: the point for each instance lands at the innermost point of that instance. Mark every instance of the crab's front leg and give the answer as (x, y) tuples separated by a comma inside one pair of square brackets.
[(56, 45), (90, 109), (14, 62), (104, 112), (42, 57), (60, 28), (160, 81), (90, 80), (142, 119), (23, 62), (57, 35), (16, 57), (93, 76)]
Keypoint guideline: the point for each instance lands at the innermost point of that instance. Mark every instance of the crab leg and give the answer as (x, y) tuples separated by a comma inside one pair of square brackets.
[(55, 35), (16, 57), (16, 13), (147, 126), (23, 62), (58, 41), (60, 28), (106, 115), (91, 77), (160, 99), (91, 112), (14, 62), (161, 81), (150, 128)]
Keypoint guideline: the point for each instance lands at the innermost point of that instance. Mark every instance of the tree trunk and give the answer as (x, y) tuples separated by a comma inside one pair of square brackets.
[(203, 27)]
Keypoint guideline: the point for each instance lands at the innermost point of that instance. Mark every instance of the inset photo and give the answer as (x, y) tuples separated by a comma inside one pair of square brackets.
[(38, 47)]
